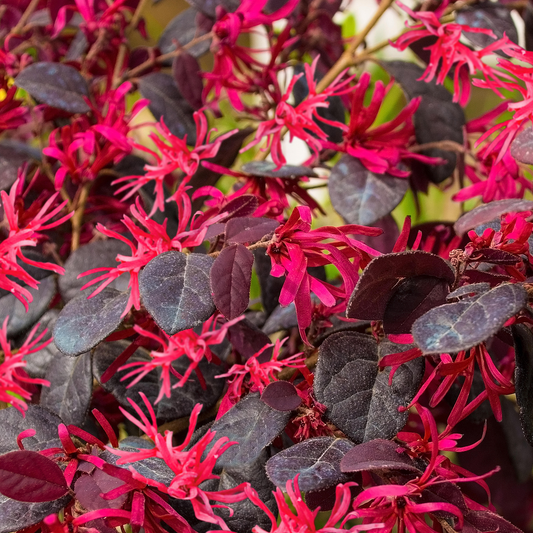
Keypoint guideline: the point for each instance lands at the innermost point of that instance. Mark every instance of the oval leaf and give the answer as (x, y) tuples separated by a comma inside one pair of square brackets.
[(282, 396), (249, 229), (56, 85), (28, 476), (175, 290), (231, 277), (458, 326), (267, 169), (522, 146), (360, 196), (83, 323), (188, 76), (317, 462)]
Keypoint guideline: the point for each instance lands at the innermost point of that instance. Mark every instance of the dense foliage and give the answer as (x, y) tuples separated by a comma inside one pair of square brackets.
[(200, 333)]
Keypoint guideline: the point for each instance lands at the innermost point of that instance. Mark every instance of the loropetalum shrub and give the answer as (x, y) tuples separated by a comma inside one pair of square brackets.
[(178, 282)]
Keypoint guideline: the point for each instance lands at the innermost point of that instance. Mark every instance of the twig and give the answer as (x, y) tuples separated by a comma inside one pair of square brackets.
[(77, 219), (25, 16)]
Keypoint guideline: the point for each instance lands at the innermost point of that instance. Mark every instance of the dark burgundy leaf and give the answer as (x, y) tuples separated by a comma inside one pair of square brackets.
[(55, 84), (252, 424), (183, 29), (474, 277), (17, 516), (38, 362), (489, 16), (522, 146), (182, 399), (282, 318), (372, 293), (248, 339), (97, 254), (497, 257), (19, 319), (359, 399), (281, 395), (523, 345), (242, 206), (412, 298), (317, 462), (84, 323), (270, 286), (71, 388), (41, 420), (360, 196), (461, 325), (385, 242), (377, 454), (12, 156), (175, 290), (488, 212), (78, 46), (469, 290), (267, 169), (168, 104), (248, 229), (89, 488), (485, 522), (214, 231), (28, 476), (231, 277), (188, 76)]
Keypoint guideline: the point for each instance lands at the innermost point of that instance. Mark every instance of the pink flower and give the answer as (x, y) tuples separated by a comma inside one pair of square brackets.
[(174, 154), (12, 375)]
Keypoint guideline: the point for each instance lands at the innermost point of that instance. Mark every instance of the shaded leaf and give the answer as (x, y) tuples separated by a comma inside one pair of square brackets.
[(249, 229), (83, 323), (461, 325), (28, 476), (97, 254), (251, 423), (267, 169), (175, 290), (38, 362), (377, 454), (168, 104), (371, 295), (385, 242), (270, 286), (188, 76), (182, 399), (360, 196), (55, 84), (282, 318), (242, 206), (281, 395), (359, 399), (88, 491), (12, 156), (317, 461), (523, 345), (522, 146), (469, 290), (71, 388), (485, 522), (231, 277), (247, 338), (496, 257), (485, 213)]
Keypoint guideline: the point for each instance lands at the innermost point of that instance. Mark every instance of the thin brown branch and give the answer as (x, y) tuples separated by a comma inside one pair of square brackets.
[(77, 219), (25, 16)]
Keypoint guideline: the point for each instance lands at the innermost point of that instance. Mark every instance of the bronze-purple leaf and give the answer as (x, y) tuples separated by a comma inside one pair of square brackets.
[(377, 454), (188, 76), (282, 396), (55, 84), (175, 290), (523, 345), (522, 146), (28, 476), (242, 206), (360, 196), (231, 276), (458, 326), (316, 461), (373, 291), (497, 257), (249, 229), (267, 169)]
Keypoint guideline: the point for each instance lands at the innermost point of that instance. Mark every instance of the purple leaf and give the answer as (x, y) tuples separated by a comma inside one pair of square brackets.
[(231, 277), (267, 169), (242, 206), (12, 156), (71, 388), (55, 84), (188, 76), (38, 362), (377, 454), (167, 103), (83, 323), (317, 461), (385, 242), (360, 196), (523, 345), (175, 290), (270, 286), (248, 339), (469, 290), (461, 325), (359, 399), (249, 229), (252, 424), (496, 257), (522, 146), (372, 293), (485, 522), (28, 476), (282, 396), (89, 488), (487, 212), (282, 318)]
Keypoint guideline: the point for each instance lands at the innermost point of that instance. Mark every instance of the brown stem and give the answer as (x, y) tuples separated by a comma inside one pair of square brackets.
[(77, 219), (137, 15), (117, 79), (25, 16)]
